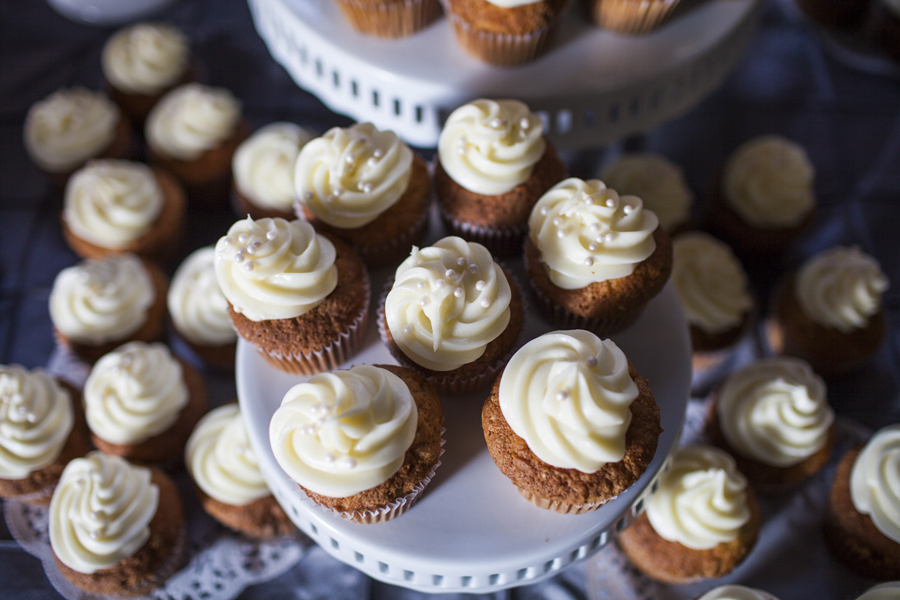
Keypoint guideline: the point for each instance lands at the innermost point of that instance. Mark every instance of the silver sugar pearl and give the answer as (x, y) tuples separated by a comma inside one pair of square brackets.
[(249, 266), (350, 158), (350, 463), (239, 257), (609, 237), (593, 246), (271, 235), (628, 209), (420, 285), (378, 153), (372, 161), (496, 123), (485, 302), (228, 240), (591, 361), (589, 262), (367, 188), (479, 285), (524, 123), (594, 228), (561, 233), (449, 273), (562, 395), (459, 292), (461, 261), (473, 268), (611, 203), (545, 210), (440, 284), (407, 330), (424, 301), (557, 221), (242, 238)]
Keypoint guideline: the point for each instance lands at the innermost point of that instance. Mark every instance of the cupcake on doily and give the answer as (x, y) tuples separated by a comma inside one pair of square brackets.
[(362, 442), (571, 422), (41, 429), (630, 16), (390, 18)]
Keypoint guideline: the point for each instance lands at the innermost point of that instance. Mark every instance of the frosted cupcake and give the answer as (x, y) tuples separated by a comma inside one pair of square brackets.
[(41, 430), (773, 417), (701, 523), (141, 403), (263, 170), (390, 18), (658, 182), (570, 422), (199, 310), (117, 207), (228, 481), (71, 126), (493, 164), (363, 442), (115, 528), (595, 259), (736, 592), (366, 187), (829, 312), (98, 305), (299, 297), (453, 314)]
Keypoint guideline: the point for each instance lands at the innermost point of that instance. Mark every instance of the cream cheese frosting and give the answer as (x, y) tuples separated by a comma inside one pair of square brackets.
[(775, 411), (192, 119), (736, 592), (101, 511), (768, 182), (840, 288), (491, 146), (221, 460), (197, 306), (701, 501), (349, 176), (145, 58), (875, 481), (568, 395), (657, 181), (68, 127), (98, 301), (263, 165), (36, 417), (586, 233), (275, 269), (710, 281), (883, 591), (447, 303), (112, 203), (344, 432), (134, 393)]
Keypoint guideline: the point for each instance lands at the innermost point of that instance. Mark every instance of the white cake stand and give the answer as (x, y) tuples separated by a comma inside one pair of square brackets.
[(592, 86)]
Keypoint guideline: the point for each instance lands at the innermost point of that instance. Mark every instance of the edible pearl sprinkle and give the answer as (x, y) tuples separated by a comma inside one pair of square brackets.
[(330, 199), (94, 534), (440, 284), (594, 228), (495, 123), (461, 261), (589, 262), (473, 268), (407, 330), (449, 273), (545, 210), (96, 515), (609, 237), (242, 239), (378, 153), (271, 235), (611, 203), (485, 302), (593, 246), (479, 285), (330, 458), (227, 240), (351, 158), (424, 300), (561, 233), (31, 417), (557, 221), (308, 195), (350, 463), (591, 361), (420, 285), (458, 292), (372, 161), (562, 395), (249, 266), (239, 257), (367, 188), (628, 209), (524, 123)]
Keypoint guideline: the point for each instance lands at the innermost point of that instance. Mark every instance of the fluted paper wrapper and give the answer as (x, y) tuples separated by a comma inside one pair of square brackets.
[(630, 16), (558, 506), (390, 19)]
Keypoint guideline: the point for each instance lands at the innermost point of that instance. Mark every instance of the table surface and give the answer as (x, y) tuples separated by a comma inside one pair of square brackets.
[(789, 83)]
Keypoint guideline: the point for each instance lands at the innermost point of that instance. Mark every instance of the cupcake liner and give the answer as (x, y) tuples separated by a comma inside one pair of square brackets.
[(563, 319), (500, 241), (558, 506), (390, 19), (631, 16), (397, 248)]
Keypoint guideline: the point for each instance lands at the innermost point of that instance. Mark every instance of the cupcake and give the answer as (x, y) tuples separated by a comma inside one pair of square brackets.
[(228, 481), (594, 259), (862, 520), (571, 422), (193, 131), (141, 403), (882, 591), (736, 592), (115, 528), (363, 443), (141, 63), (629, 16), (390, 18), (839, 14), (700, 524), (41, 430), (98, 305), (829, 312), (299, 297), (504, 32), (493, 164), (773, 417), (453, 314), (118, 207), (658, 182), (765, 197), (366, 187), (263, 170), (71, 126)]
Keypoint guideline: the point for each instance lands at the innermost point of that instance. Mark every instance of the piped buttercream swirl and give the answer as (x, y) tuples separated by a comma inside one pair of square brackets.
[(875, 481), (192, 119), (145, 58), (197, 306), (657, 181), (263, 165)]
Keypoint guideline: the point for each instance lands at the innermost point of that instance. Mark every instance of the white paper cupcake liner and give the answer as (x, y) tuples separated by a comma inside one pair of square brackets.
[(558, 506)]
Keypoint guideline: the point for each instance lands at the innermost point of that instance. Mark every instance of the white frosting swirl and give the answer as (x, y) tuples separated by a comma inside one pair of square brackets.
[(840, 288), (145, 58), (491, 146), (710, 281), (101, 511), (112, 203), (768, 182), (586, 233), (68, 127), (134, 393), (36, 417), (196, 303), (344, 432), (221, 460), (775, 411), (875, 481), (275, 269), (192, 119), (448, 302), (263, 164), (98, 301), (568, 395), (883, 591), (657, 181), (702, 501), (736, 592), (348, 177)]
